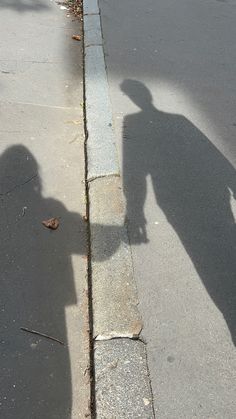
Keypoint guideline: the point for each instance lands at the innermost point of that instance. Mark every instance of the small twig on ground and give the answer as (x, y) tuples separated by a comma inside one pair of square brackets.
[(42, 334)]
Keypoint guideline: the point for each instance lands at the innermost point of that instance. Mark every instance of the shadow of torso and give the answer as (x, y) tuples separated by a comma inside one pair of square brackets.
[(37, 283)]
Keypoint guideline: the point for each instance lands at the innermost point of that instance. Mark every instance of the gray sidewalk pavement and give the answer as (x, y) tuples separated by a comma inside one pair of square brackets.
[(43, 272), (171, 69)]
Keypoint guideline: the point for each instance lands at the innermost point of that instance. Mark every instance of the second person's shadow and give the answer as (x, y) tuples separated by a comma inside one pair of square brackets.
[(36, 285), (193, 184)]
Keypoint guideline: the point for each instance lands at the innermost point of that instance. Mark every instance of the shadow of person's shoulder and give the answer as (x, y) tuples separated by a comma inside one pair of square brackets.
[(55, 206), (72, 227), (135, 115)]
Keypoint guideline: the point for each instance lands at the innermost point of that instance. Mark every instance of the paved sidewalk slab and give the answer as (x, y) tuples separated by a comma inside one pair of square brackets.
[(122, 382)]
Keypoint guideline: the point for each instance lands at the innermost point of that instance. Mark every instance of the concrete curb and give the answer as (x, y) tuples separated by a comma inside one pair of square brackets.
[(122, 386), (101, 150), (115, 303)]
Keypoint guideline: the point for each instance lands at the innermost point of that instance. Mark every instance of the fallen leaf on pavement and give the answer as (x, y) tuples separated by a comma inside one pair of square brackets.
[(76, 37), (52, 223)]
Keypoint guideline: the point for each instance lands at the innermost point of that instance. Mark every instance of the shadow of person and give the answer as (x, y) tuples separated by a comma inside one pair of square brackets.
[(193, 184), (36, 285)]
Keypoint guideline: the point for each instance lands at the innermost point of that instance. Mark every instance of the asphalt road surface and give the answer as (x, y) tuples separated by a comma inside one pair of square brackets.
[(172, 77)]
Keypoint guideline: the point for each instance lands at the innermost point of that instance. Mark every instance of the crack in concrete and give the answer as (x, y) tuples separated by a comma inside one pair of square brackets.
[(92, 178), (39, 105), (19, 185)]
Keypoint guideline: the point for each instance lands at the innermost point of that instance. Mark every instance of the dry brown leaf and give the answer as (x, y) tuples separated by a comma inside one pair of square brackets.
[(76, 37), (52, 223)]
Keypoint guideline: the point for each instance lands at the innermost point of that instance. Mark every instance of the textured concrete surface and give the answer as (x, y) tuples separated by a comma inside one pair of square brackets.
[(101, 150), (115, 310), (175, 129), (90, 7), (122, 382), (43, 273), (92, 30)]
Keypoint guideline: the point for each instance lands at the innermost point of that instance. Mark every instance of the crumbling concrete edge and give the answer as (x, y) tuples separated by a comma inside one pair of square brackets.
[(121, 319)]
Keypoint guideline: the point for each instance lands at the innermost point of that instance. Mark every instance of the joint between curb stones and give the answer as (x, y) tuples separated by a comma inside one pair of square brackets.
[(92, 14), (93, 45)]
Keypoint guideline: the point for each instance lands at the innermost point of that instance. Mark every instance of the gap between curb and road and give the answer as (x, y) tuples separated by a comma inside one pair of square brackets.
[(121, 383)]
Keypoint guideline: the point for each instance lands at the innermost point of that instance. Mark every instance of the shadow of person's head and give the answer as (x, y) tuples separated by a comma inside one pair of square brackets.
[(137, 92), (18, 166), (20, 179)]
